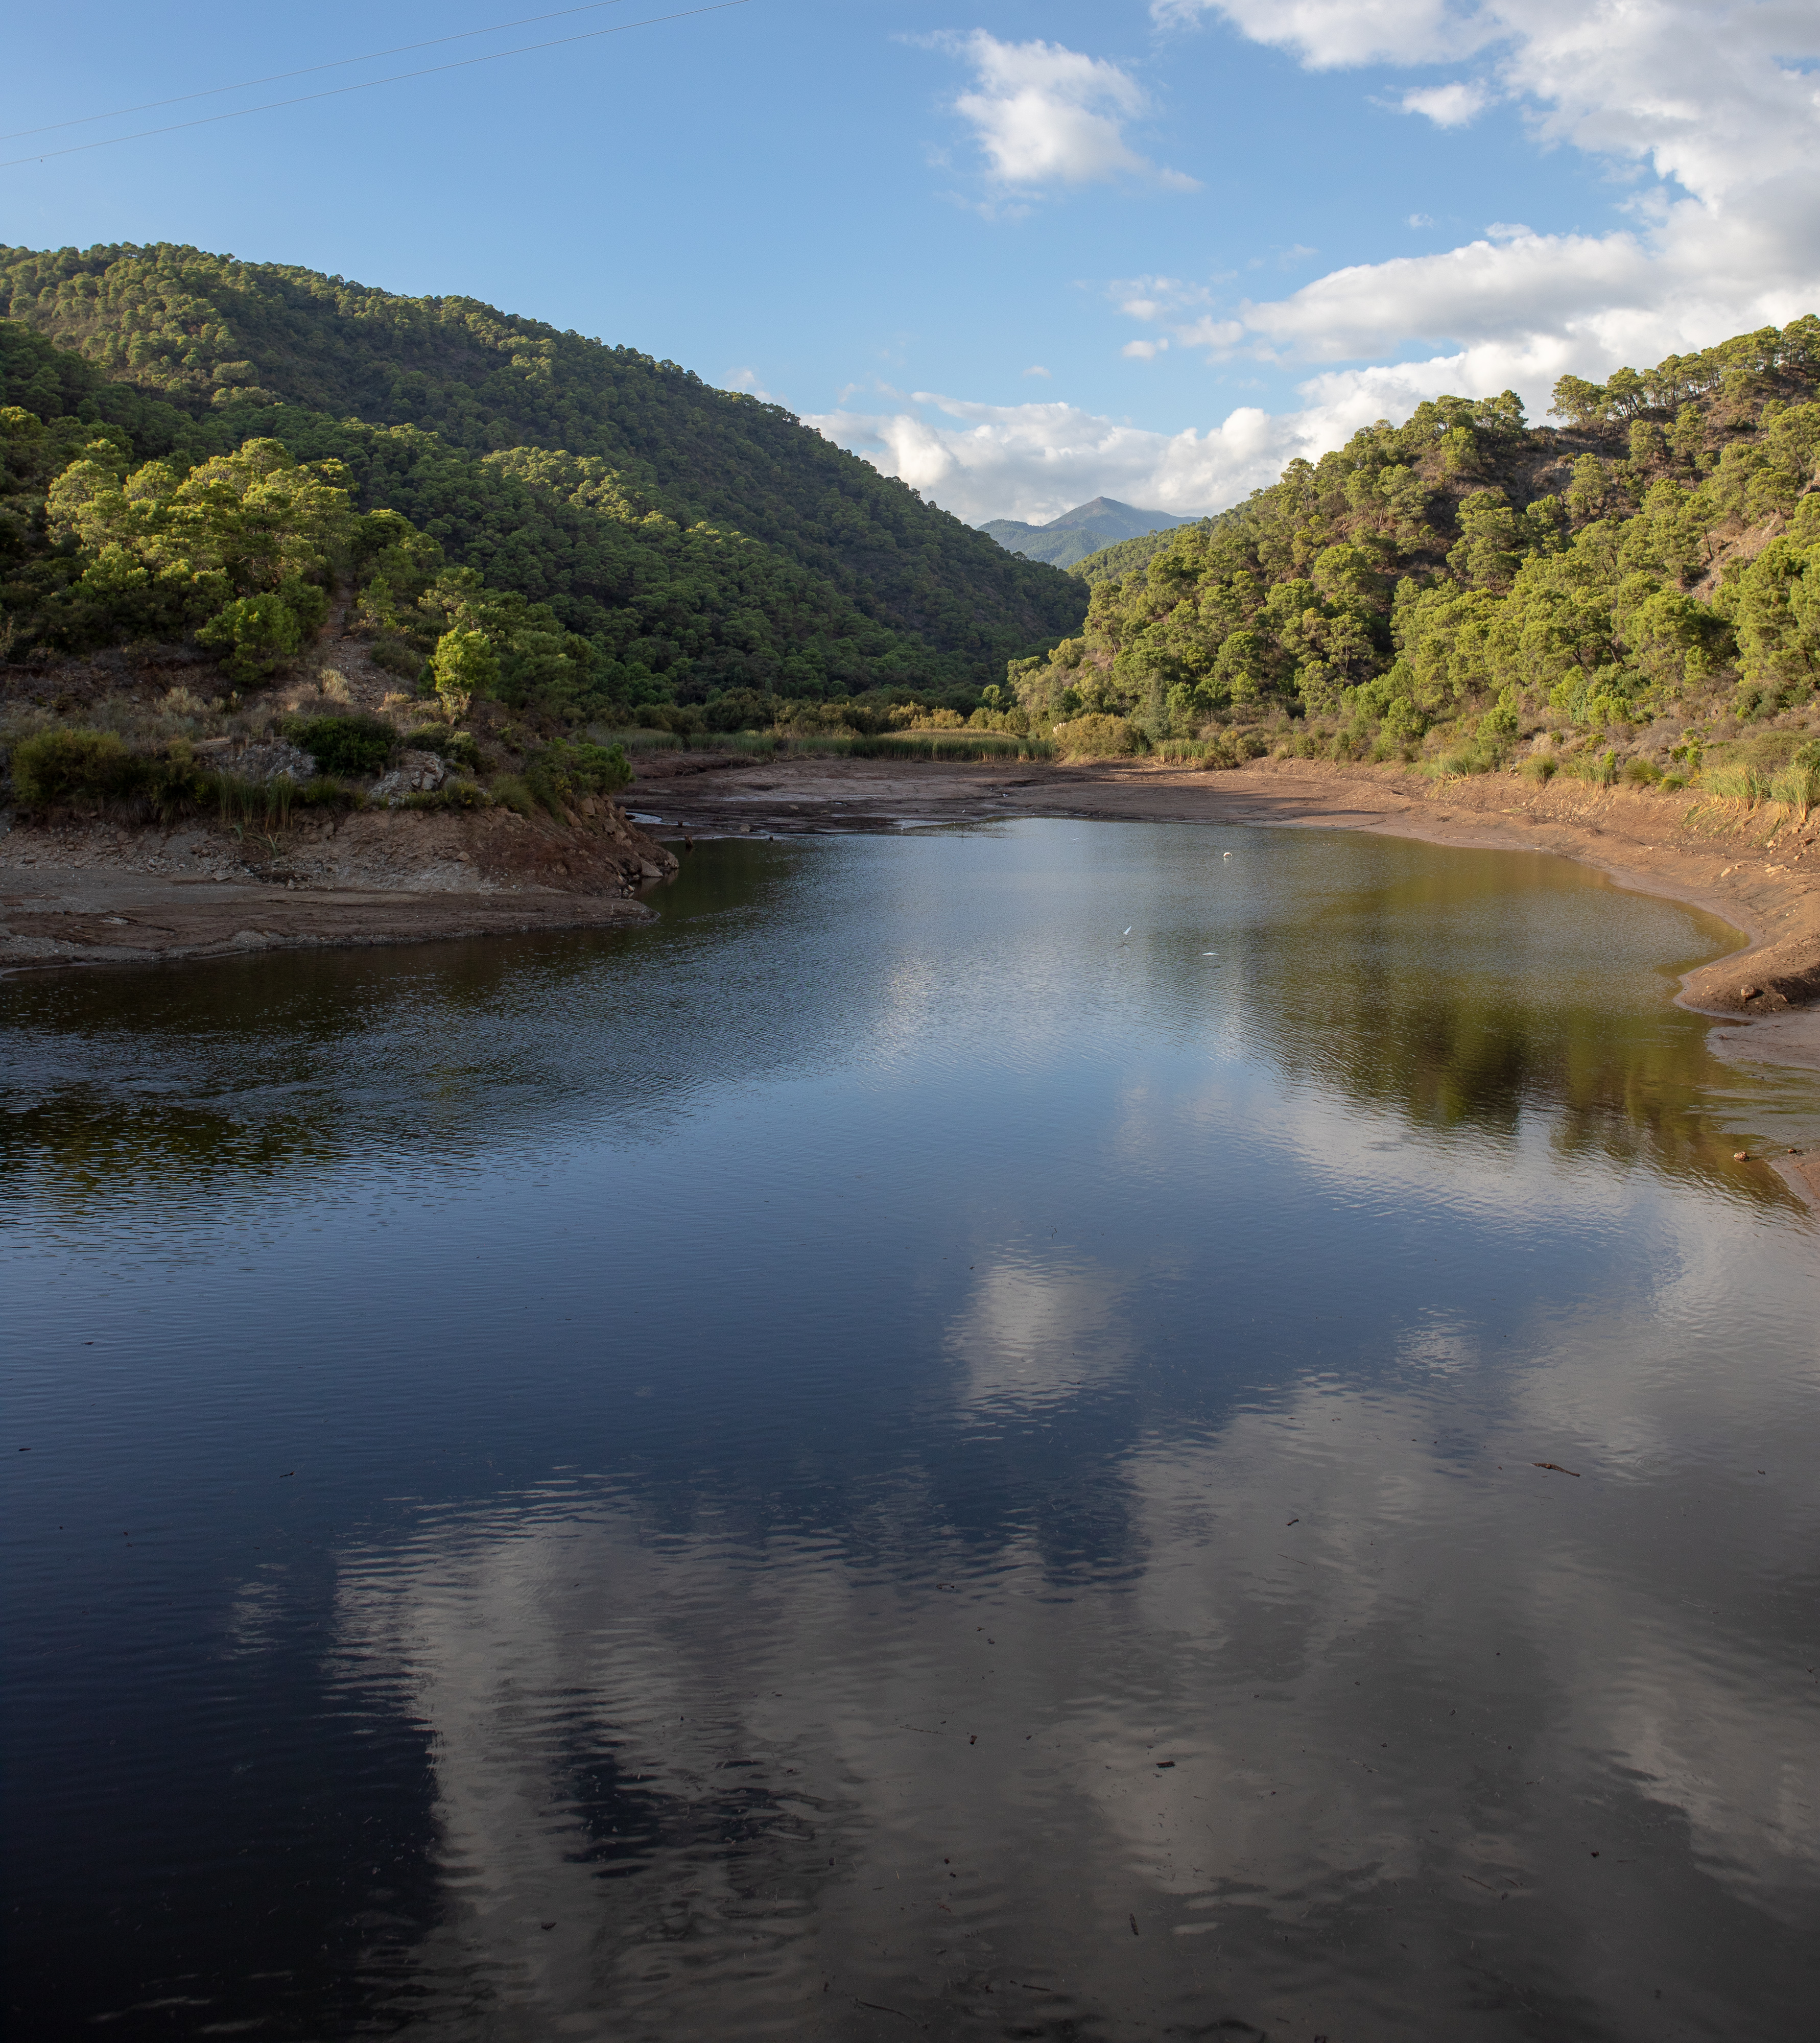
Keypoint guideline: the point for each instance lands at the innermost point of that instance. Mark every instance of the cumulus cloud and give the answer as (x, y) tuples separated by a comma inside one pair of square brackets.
[(1035, 461), (1705, 103), (1454, 105), (1708, 92), (1330, 34), (1712, 99), (1143, 350), (1046, 116)]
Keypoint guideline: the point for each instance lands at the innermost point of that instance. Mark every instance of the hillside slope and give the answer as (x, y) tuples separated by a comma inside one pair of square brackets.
[(1642, 582), (1125, 557), (581, 474)]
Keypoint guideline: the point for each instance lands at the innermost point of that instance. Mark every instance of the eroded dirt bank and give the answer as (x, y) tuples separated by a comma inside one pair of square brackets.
[(77, 892)]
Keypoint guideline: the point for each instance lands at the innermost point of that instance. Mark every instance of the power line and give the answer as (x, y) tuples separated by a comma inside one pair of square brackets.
[(367, 85), (340, 63)]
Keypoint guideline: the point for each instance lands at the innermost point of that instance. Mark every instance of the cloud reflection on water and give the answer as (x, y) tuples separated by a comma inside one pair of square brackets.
[(1398, 1729)]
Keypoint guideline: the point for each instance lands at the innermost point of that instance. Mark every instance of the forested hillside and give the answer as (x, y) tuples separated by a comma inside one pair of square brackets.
[(1644, 574), (700, 540), (1125, 557)]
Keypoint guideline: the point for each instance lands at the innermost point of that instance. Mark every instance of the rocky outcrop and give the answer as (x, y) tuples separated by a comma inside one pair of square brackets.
[(416, 773)]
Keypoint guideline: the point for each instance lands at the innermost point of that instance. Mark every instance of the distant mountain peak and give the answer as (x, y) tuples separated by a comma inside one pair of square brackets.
[(1087, 529)]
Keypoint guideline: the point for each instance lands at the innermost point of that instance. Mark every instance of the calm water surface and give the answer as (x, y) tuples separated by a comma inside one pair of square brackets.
[(883, 1457)]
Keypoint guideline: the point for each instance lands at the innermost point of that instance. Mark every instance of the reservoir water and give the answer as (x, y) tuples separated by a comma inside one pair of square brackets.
[(1062, 1431)]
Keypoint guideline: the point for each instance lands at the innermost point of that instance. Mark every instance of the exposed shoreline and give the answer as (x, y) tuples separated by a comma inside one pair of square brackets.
[(76, 894), (1755, 871), (82, 895)]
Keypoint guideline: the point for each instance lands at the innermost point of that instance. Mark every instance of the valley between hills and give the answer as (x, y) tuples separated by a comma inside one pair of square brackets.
[(328, 615)]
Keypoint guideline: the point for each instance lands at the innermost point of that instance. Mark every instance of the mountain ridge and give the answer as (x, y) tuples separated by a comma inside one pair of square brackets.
[(1088, 529)]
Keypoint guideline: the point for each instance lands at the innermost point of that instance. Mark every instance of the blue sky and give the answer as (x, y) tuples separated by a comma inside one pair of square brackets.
[(1229, 231)]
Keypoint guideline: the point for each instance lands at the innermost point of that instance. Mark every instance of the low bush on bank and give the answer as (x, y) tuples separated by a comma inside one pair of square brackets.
[(753, 744), (1095, 737), (359, 743), (325, 791), (562, 774), (72, 767), (1467, 759), (961, 744), (509, 790), (636, 740), (1796, 785), (55, 766), (75, 768)]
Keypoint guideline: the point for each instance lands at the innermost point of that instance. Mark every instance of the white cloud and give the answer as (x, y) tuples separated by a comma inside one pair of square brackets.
[(1046, 116), (1420, 220), (1036, 369), (1707, 94), (746, 380), (1143, 350), (1036, 461), (1453, 105), (1329, 34)]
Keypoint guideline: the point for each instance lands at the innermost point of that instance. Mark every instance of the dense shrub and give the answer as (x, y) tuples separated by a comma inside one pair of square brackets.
[(561, 774), (356, 744), (253, 635), (451, 794), (64, 766), (327, 792), (510, 791), (1095, 737)]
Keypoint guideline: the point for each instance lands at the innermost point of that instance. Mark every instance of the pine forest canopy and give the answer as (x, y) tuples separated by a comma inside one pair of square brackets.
[(692, 541), (1468, 573)]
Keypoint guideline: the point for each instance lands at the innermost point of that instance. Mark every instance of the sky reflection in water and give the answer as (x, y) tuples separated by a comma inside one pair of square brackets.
[(819, 1463)]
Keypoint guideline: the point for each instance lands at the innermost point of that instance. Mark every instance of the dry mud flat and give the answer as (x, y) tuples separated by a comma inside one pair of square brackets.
[(75, 893)]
